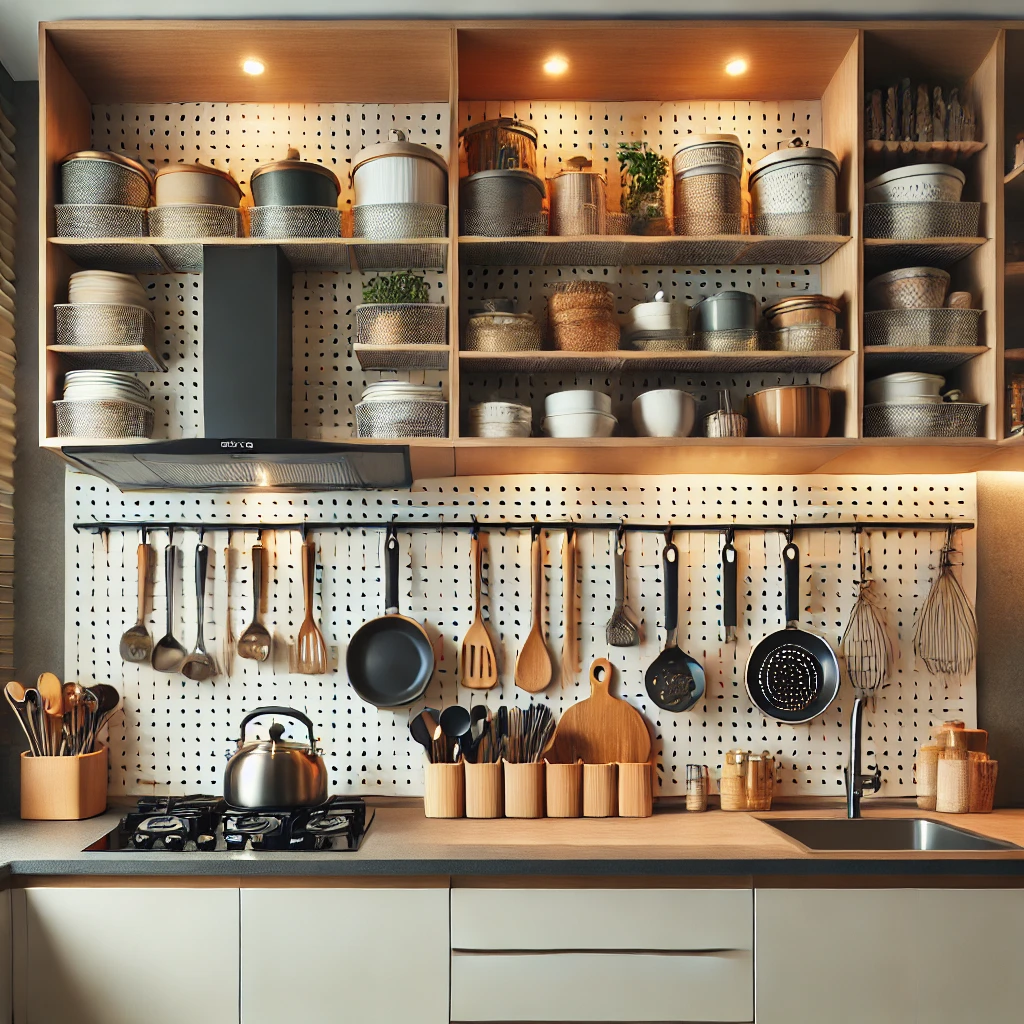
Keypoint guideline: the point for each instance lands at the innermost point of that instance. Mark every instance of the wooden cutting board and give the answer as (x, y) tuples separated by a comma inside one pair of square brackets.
[(601, 728)]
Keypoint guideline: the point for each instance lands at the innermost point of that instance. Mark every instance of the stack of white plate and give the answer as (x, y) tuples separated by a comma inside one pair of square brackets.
[(395, 409), (104, 386), (88, 286), (578, 414), (500, 419)]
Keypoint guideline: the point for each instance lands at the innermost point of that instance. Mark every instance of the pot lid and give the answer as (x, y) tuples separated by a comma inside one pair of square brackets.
[(510, 175), (397, 146), (275, 744), (916, 170), (578, 165), (797, 151), (802, 302), (693, 172), (116, 158), (293, 163), (198, 169), (730, 295), (692, 141), (511, 124)]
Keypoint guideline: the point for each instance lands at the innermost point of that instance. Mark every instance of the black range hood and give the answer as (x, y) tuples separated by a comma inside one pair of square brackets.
[(247, 401)]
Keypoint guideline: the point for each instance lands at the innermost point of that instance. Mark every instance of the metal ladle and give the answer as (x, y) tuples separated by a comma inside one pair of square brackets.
[(136, 643), (255, 642), (199, 665), (169, 655)]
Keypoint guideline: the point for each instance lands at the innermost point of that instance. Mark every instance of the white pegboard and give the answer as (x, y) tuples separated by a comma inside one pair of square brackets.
[(175, 733)]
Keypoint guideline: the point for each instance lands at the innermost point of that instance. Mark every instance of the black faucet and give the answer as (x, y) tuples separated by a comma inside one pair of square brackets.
[(856, 784)]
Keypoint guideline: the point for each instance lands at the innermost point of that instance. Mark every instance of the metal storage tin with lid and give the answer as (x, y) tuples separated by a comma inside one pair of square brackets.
[(802, 309), (719, 151), (799, 179), (195, 184), (94, 177), (578, 203), (504, 143), (727, 311), (398, 171), (502, 203), (294, 182)]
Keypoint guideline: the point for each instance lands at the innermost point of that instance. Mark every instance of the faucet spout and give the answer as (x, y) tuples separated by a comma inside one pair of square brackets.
[(856, 783)]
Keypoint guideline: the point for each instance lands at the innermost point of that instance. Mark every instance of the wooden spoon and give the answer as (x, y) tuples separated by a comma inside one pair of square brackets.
[(15, 694), (533, 667), (570, 646), (312, 650), (478, 669), (52, 694)]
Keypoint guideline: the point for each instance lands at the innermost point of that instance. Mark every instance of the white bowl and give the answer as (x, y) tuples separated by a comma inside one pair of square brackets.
[(106, 286), (580, 424), (577, 401), (664, 413), (917, 183), (500, 412), (897, 387)]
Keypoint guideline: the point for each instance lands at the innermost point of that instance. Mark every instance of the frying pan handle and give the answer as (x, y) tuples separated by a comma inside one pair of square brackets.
[(391, 574), (283, 712), (729, 586), (791, 570), (671, 559)]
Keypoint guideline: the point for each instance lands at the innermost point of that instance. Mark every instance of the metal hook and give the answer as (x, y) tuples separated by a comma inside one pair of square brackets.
[(535, 530), (790, 531), (730, 536), (670, 532), (474, 530), (620, 530)]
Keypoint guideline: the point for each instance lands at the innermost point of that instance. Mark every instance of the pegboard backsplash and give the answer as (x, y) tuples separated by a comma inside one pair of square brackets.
[(175, 734)]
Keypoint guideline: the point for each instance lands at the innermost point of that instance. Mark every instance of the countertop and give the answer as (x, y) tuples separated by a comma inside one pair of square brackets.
[(402, 842)]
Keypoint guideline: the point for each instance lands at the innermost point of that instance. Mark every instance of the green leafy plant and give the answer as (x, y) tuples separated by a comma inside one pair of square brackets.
[(643, 173), (397, 289)]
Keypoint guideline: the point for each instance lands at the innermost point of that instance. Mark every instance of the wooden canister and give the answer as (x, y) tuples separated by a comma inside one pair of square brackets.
[(63, 788), (760, 781), (524, 790), (485, 797), (952, 783), (697, 786), (564, 790), (982, 785), (925, 772), (636, 790), (734, 781), (444, 790), (600, 796)]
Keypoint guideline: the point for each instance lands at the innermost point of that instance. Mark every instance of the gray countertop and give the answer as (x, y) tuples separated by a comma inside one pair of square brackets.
[(402, 842)]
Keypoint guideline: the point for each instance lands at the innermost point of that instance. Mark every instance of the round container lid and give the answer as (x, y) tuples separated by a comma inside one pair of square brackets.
[(293, 163), (511, 124), (730, 295), (908, 377), (198, 169), (709, 140), (906, 273), (802, 302), (397, 146), (579, 165), (701, 169), (806, 154), (116, 158), (501, 317), (916, 171), (509, 174)]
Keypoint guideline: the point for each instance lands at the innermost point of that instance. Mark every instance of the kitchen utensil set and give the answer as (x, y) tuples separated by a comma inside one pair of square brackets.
[(61, 720), (482, 736)]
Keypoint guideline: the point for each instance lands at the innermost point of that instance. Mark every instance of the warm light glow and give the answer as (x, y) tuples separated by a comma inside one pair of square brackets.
[(253, 67), (736, 67), (556, 65)]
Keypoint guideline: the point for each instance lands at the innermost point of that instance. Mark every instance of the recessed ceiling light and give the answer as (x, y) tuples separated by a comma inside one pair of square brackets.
[(556, 65), (736, 67), (253, 66)]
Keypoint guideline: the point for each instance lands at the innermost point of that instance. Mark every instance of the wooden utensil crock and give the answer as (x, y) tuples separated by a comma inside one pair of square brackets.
[(63, 788)]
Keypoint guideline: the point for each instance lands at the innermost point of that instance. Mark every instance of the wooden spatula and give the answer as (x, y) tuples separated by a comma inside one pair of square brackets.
[(478, 670), (533, 667), (601, 728), (312, 650)]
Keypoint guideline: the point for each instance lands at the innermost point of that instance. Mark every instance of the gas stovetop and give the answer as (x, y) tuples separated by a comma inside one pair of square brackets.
[(189, 824)]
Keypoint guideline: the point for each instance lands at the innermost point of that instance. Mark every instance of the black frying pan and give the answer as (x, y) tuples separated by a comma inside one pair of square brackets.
[(792, 675), (390, 659)]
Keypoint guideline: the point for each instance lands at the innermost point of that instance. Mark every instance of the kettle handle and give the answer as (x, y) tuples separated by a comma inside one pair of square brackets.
[(292, 713)]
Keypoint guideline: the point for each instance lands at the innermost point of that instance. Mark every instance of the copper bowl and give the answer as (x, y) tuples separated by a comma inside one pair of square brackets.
[(802, 410)]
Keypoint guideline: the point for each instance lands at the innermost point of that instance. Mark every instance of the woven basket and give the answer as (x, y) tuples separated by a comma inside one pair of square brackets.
[(580, 295), (85, 221), (585, 330), (111, 419), (937, 419), (295, 222), (805, 338), (392, 420), (412, 323), (502, 332), (728, 341), (384, 221), (103, 323), (912, 328), (194, 220), (921, 220)]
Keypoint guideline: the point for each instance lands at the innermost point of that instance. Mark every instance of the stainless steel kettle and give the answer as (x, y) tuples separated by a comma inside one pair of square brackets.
[(275, 774)]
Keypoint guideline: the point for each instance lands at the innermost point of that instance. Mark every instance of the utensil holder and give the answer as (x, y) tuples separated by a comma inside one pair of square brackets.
[(444, 790), (636, 790), (982, 789), (564, 790), (63, 788), (748, 781), (926, 771), (600, 796), (953, 782), (697, 786), (524, 790), (484, 790)]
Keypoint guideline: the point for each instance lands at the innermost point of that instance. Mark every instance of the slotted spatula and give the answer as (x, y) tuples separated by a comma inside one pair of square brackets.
[(533, 667), (312, 649), (479, 670)]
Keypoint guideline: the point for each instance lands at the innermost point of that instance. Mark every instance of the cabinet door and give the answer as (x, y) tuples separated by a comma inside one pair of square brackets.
[(122, 956), (345, 954), (6, 957), (889, 956)]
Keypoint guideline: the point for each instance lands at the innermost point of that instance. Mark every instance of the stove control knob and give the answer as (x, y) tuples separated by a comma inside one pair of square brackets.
[(207, 842)]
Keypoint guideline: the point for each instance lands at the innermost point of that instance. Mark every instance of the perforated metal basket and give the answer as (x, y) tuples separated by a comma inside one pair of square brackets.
[(102, 323), (502, 332), (490, 224), (385, 221), (805, 338), (663, 341), (937, 419), (912, 328), (92, 221), (295, 222), (99, 180), (194, 220), (921, 220), (728, 341), (410, 323), (392, 420), (800, 224), (110, 419)]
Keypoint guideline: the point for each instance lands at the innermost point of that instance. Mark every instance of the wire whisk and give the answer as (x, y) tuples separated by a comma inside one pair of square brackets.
[(866, 646), (946, 633)]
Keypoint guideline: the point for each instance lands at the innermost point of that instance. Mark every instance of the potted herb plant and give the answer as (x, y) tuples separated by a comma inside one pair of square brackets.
[(396, 310), (643, 174)]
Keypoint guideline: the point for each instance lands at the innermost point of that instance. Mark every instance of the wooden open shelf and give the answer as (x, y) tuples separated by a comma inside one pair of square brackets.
[(402, 357), (127, 358), (879, 359), (890, 253), (900, 152)]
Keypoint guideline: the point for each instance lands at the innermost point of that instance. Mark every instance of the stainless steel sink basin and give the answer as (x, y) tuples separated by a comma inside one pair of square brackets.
[(883, 834)]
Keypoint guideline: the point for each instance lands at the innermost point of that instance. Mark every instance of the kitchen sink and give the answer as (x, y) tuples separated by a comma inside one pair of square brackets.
[(883, 834)]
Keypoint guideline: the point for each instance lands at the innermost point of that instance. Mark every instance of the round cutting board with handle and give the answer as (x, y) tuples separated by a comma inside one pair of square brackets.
[(601, 728), (792, 675)]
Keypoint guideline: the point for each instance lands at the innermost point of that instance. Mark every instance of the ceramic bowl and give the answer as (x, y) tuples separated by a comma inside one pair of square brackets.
[(664, 413), (898, 387), (579, 424), (577, 401)]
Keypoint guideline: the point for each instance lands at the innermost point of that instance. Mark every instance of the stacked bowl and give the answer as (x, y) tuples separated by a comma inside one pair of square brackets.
[(194, 201), (500, 419), (578, 414), (394, 409), (104, 403)]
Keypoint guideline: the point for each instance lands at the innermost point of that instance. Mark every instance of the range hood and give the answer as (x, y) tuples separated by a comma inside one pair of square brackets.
[(247, 401)]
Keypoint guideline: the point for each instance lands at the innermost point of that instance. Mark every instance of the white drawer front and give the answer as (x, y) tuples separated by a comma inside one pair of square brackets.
[(704, 986), (584, 919)]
